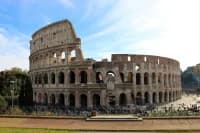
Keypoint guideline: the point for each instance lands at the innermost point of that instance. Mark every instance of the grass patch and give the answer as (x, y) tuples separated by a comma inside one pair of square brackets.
[(30, 130)]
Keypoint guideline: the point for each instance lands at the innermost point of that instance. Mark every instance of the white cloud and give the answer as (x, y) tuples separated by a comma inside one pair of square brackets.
[(166, 28), (14, 50), (179, 36), (67, 3)]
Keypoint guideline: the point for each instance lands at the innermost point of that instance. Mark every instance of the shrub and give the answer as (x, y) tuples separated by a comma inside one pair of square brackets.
[(3, 103)]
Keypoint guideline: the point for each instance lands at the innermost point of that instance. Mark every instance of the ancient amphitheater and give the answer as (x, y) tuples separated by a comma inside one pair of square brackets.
[(62, 76)]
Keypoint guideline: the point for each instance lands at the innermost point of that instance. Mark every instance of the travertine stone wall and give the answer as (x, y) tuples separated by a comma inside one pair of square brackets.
[(61, 75)]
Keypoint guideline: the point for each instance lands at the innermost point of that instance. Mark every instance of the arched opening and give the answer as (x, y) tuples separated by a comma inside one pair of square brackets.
[(39, 98), (110, 73), (146, 78), (170, 96), (83, 101), (122, 77), (159, 78), (160, 97), (53, 99), (45, 99), (71, 77), (139, 98), (61, 99), (137, 67), (61, 78), (165, 80), (99, 77), (96, 100), (72, 55), (71, 100), (154, 97), (130, 77), (40, 79), (153, 78), (36, 79), (53, 78), (122, 100), (63, 56), (169, 80), (83, 76), (138, 79), (45, 78), (146, 97), (165, 96)]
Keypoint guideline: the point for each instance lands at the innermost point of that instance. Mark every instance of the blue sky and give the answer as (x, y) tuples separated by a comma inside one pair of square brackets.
[(159, 27)]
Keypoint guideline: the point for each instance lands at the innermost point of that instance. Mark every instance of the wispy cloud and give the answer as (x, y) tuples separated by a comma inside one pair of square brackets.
[(14, 51), (167, 28), (67, 3)]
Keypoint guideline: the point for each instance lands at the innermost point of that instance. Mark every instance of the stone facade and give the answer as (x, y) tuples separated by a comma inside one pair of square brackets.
[(62, 76)]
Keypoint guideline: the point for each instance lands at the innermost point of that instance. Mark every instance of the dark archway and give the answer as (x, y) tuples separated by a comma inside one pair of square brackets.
[(146, 78), (170, 96), (45, 99), (39, 98), (36, 79), (61, 99), (40, 79), (154, 97), (71, 100), (165, 80), (160, 97), (53, 99), (45, 78), (138, 79), (159, 78), (61, 78), (83, 101), (130, 77), (153, 78), (96, 100), (53, 78), (146, 97), (122, 77), (139, 98), (83, 77), (165, 96), (71, 77), (122, 100), (99, 77)]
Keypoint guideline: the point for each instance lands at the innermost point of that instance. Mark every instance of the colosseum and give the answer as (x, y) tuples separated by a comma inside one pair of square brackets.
[(62, 76)]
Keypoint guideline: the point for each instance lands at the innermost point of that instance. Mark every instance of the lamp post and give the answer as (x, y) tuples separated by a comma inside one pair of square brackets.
[(12, 91)]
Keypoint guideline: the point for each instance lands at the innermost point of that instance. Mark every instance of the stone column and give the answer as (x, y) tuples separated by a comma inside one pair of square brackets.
[(56, 78), (77, 100), (66, 77), (56, 98), (66, 99), (103, 98), (77, 75), (150, 98), (128, 96), (89, 100)]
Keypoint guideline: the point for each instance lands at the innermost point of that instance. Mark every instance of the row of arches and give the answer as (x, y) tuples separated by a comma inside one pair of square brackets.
[(45, 78), (168, 80), (140, 98), (51, 100)]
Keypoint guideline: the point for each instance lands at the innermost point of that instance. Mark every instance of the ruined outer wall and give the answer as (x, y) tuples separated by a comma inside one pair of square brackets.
[(61, 77)]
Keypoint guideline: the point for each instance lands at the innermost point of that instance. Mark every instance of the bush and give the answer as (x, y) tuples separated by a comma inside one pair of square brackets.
[(3, 103)]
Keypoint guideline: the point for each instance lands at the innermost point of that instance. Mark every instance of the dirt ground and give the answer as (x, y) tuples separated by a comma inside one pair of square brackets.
[(78, 124)]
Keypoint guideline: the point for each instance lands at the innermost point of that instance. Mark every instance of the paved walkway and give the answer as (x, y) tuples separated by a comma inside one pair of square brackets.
[(78, 124)]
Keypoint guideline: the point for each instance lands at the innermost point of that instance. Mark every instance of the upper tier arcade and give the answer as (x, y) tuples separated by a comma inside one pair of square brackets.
[(56, 34)]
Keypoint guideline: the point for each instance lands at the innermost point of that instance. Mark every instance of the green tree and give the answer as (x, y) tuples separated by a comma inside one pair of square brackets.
[(3, 103)]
